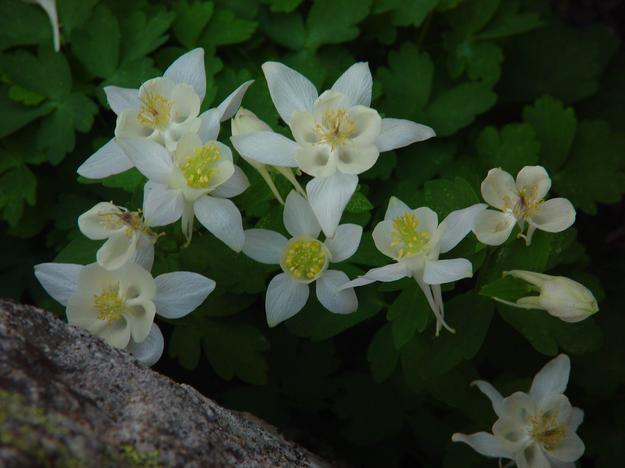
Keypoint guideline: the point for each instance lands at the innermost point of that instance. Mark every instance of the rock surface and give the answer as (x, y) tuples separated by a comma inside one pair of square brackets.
[(69, 399)]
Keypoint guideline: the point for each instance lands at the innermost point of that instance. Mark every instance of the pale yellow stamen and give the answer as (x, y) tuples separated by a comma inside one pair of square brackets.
[(547, 430), (155, 111), (305, 259), (109, 304), (336, 128), (406, 236), (528, 203), (200, 168), (132, 220)]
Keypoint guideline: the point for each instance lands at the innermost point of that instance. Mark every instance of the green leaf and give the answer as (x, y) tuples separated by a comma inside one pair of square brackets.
[(17, 186), (426, 356), (96, 43), (80, 250), (409, 313), (515, 255), (284, 6), (555, 126), (509, 21), (25, 96), (235, 350), (226, 28), (511, 148), (595, 170), (133, 74), (15, 115), (185, 345), (506, 288), (457, 107), (407, 82), (142, 34), (481, 60), (334, 21), (74, 13), (286, 30), (359, 203), (471, 16), (382, 355), (48, 74), (191, 18), (128, 181), (445, 196), (21, 24), (406, 12)]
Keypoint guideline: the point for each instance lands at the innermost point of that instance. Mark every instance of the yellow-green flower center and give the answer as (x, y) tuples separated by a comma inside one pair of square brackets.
[(200, 168), (547, 430), (109, 304), (406, 238), (155, 111), (305, 259), (336, 128)]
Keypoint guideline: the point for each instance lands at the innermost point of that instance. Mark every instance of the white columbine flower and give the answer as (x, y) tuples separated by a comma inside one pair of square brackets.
[(49, 6), (245, 121), (337, 135), (535, 430), (520, 202), (163, 110), (304, 259), (119, 305), (415, 239), (128, 237), (196, 181), (561, 297)]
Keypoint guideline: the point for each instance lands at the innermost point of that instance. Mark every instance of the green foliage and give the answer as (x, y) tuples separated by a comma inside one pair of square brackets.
[(504, 83)]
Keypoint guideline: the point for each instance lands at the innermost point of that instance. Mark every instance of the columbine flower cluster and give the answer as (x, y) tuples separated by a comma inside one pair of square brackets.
[(336, 136)]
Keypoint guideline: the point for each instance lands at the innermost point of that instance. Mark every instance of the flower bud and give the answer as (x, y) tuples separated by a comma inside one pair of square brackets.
[(561, 297), (245, 121)]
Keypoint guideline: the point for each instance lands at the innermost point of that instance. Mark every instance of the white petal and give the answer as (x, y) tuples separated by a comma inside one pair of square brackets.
[(447, 271), (180, 293), (484, 444), (122, 98), (386, 274), (397, 133), (317, 160), (91, 222), (49, 6), (328, 197), (356, 84), (554, 215), (231, 104), (118, 250), (223, 219), (518, 408), (569, 450), (108, 160), (428, 219), (395, 208), (533, 180), (60, 280), (189, 68), (532, 457), (345, 242), (150, 350), (267, 148), (493, 395), (284, 299), (116, 334), (512, 433), (161, 205), (144, 255), (235, 185), (210, 123), (499, 189), (493, 227), (150, 158), (576, 418), (333, 296), (458, 224), (264, 246), (298, 217), (553, 378), (290, 91), (354, 159), (383, 239)]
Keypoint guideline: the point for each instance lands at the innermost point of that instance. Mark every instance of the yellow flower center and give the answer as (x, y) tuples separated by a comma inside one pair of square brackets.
[(155, 111), (336, 128), (109, 304), (547, 430), (305, 259), (527, 204), (407, 238), (200, 168)]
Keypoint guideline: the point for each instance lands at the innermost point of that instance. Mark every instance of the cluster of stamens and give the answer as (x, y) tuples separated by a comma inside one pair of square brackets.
[(335, 129), (547, 430), (406, 237), (109, 304), (132, 220), (199, 168), (305, 259), (155, 111), (527, 204)]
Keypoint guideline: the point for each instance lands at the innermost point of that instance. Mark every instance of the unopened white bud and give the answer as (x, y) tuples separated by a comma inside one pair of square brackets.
[(245, 121)]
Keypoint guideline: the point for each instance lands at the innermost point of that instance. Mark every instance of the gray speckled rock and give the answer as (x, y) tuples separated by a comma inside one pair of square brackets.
[(69, 399)]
